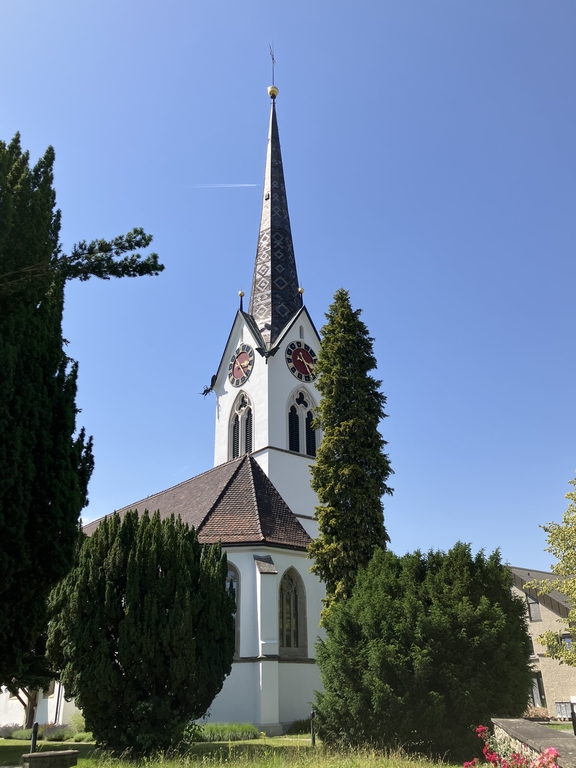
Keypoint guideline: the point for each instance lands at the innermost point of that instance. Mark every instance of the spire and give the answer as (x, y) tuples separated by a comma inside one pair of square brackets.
[(275, 297)]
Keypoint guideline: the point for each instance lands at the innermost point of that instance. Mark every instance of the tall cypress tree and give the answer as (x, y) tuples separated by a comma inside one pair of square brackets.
[(351, 471), (143, 630), (45, 464)]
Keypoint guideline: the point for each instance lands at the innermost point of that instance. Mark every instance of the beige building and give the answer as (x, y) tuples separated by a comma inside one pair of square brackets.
[(554, 683)]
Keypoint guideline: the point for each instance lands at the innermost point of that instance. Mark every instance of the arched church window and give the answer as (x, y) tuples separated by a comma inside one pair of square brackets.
[(294, 429), (241, 427), (310, 435), (302, 438), (233, 582), (292, 615)]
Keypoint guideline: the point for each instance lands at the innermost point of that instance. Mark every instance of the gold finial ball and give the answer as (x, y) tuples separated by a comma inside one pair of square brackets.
[(241, 294), (300, 290), (272, 91)]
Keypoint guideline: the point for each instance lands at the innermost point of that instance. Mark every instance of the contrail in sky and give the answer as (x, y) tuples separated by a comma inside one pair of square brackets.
[(213, 186)]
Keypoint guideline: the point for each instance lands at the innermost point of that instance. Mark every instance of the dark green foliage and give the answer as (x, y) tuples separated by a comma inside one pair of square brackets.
[(427, 647), (300, 727), (143, 631), (351, 468), (45, 464)]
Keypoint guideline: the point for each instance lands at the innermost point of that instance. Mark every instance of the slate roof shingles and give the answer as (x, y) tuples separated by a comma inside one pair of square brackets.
[(235, 503)]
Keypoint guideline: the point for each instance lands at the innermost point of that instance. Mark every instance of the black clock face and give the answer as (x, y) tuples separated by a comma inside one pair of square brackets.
[(240, 366), (301, 360)]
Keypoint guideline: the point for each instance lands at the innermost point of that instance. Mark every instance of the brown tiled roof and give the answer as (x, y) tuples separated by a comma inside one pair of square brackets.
[(234, 503)]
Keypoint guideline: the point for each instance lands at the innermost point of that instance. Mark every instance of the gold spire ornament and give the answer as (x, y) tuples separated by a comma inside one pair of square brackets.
[(272, 91)]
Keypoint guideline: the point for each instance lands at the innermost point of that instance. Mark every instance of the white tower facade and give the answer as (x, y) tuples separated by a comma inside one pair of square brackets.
[(266, 401), (268, 363)]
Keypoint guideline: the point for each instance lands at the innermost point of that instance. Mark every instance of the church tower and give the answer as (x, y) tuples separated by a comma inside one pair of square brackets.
[(265, 388)]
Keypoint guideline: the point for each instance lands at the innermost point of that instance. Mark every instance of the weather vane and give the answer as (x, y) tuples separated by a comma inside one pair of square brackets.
[(273, 61)]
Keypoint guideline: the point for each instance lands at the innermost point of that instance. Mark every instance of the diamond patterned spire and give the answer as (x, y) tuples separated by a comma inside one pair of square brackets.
[(274, 298)]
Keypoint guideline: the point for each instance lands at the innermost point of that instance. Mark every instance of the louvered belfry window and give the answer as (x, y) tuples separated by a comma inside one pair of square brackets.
[(248, 431), (310, 435), (236, 437), (294, 430), (302, 438), (241, 427)]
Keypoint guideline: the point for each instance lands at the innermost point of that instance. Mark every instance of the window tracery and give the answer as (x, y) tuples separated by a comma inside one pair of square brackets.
[(292, 615), (241, 427), (233, 582), (302, 437)]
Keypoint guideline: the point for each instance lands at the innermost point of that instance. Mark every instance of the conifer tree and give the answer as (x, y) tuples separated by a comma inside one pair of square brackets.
[(45, 463), (428, 647), (143, 630), (351, 471)]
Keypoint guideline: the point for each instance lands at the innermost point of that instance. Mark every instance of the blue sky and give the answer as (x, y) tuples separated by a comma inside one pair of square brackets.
[(430, 163)]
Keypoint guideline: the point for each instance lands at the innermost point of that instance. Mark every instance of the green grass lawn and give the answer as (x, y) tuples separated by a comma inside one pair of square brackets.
[(11, 750), (277, 752), (560, 726)]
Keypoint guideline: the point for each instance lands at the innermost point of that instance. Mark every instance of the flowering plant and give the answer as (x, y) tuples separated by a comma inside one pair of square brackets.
[(491, 752)]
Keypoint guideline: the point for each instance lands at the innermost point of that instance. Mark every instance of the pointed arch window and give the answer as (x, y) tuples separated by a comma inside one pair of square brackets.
[(241, 427), (233, 582), (302, 437), (292, 615)]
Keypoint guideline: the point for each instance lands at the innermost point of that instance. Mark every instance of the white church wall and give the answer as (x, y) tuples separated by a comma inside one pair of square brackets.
[(268, 718), (243, 560), (297, 683), (290, 474), (66, 710), (237, 701), (11, 711), (256, 388)]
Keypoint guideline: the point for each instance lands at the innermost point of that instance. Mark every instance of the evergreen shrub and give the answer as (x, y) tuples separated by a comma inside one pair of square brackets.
[(299, 727), (142, 630), (426, 647)]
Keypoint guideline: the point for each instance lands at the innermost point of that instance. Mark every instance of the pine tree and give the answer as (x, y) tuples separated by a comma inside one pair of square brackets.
[(351, 467), (427, 648), (45, 463), (143, 630)]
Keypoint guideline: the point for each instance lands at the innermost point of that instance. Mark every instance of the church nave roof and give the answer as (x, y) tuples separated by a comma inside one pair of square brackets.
[(234, 503)]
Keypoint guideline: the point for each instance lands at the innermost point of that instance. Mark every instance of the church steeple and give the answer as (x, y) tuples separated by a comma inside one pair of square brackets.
[(275, 297)]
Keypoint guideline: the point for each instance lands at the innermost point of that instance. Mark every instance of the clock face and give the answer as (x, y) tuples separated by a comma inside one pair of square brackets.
[(240, 366), (301, 360)]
